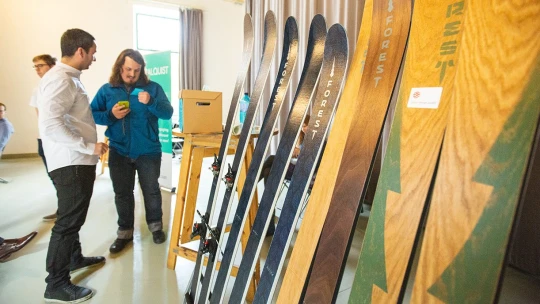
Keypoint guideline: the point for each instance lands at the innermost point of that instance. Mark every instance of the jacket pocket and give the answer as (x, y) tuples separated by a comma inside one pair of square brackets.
[(153, 132)]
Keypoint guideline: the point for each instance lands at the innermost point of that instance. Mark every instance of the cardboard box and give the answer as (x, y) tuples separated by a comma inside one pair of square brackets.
[(200, 111)]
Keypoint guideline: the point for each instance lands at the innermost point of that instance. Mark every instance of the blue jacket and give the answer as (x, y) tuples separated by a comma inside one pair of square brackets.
[(137, 133)]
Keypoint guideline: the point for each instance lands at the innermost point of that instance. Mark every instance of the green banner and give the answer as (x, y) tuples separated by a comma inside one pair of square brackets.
[(158, 69)]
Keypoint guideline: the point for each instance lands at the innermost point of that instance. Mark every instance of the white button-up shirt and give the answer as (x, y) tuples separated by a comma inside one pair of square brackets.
[(66, 125)]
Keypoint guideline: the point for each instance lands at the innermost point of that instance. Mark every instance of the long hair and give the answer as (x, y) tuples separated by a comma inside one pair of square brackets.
[(116, 77)]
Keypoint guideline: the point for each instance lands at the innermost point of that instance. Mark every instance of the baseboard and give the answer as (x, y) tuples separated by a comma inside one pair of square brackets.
[(22, 155)]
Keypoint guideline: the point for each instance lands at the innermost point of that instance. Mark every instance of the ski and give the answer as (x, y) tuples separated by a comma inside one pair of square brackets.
[(412, 152), (310, 72), (200, 229), (239, 84), (389, 32), (307, 238), (291, 210), (494, 113), (324, 101), (286, 67)]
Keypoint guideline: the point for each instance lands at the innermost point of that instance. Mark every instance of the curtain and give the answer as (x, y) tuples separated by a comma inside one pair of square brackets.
[(347, 13), (190, 63)]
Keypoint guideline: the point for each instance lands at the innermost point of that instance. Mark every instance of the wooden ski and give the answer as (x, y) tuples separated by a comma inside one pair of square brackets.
[(324, 104), (319, 200), (308, 79), (239, 84), (289, 55), (493, 117), (389, 32), (200, 229), (328, 90), (412, 152)]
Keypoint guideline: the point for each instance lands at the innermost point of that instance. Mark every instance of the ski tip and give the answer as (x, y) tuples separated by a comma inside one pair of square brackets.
[(270, 16), (336, 48), (247, 20), (270, 25), (291, 24), (318, 19), (338, 30), (338, 35), (317, 29)]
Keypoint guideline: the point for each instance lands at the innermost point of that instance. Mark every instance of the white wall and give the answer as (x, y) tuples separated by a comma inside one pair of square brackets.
[(31, 27)]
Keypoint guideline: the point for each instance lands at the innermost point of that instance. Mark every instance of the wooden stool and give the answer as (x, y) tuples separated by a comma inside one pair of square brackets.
[(196, 147)]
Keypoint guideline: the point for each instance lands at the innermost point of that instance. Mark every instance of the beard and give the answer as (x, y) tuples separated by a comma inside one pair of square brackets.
[(130, 80)]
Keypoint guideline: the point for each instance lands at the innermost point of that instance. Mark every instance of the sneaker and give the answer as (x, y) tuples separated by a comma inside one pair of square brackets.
[(49, 218), (68, 294), (119, 245), (158, 236), (87, 262)]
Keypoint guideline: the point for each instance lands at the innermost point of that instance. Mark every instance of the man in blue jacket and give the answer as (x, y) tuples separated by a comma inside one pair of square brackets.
[(130, 105)]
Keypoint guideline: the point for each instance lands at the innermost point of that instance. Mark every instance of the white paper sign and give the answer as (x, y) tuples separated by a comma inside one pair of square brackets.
[(425, 98)]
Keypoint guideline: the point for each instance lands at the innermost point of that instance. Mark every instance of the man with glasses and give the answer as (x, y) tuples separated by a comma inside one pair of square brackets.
[(42, 64), (69, 137)]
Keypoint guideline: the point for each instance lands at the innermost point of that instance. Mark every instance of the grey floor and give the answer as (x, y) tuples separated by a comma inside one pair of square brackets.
[(139, 274)]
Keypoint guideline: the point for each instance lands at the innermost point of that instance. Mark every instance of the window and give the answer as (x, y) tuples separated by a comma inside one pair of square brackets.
[(157, 29), (156, 33)]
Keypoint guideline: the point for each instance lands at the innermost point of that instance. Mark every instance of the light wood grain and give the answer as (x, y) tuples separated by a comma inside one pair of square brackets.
[(498, 57), (389, 32), (313, 220), (410, 158)]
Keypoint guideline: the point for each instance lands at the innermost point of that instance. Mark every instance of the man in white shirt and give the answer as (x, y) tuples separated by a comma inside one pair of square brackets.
[(42, 64), (69, 137)]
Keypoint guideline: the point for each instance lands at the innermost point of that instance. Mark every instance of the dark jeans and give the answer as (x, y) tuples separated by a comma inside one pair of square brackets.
[(41, 153), (74, 186), (122, 170)]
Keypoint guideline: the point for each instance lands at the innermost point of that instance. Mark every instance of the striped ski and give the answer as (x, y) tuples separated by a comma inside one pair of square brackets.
[(312, 222), (239, 84), (312, 66), (200, 229), (288, 219), (286, 67), (324, 102), (291, 211)]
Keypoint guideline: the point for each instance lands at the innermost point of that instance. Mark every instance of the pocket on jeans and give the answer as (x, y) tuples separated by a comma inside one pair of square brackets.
[(63, 176)]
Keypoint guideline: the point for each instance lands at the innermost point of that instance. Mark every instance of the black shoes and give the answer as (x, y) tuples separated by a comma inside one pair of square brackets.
[(68, 294), (159, 236), (86, 263), (119, 245), (72, 293)]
